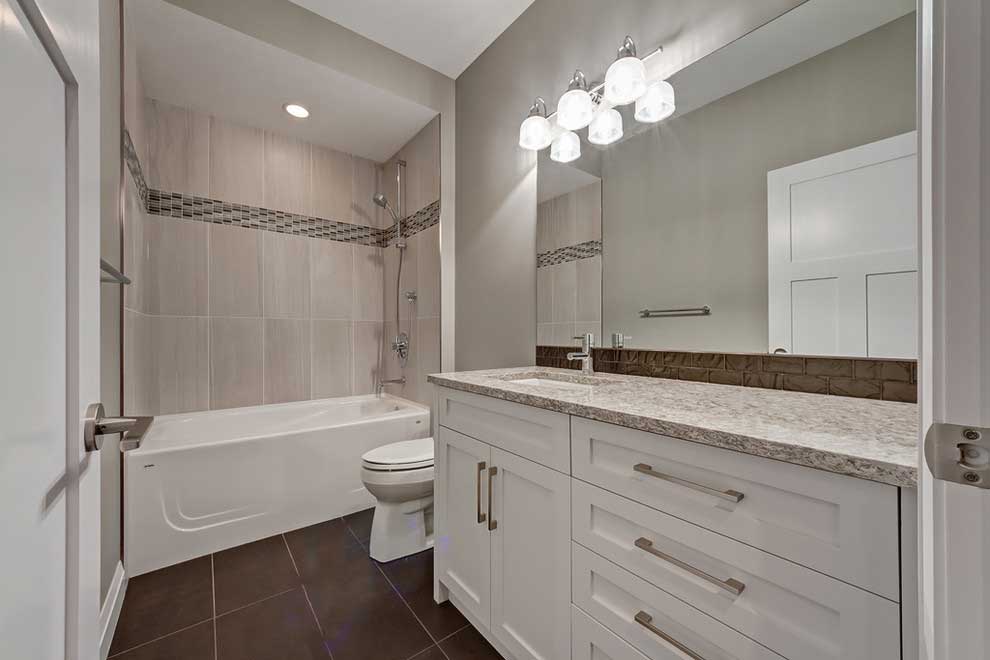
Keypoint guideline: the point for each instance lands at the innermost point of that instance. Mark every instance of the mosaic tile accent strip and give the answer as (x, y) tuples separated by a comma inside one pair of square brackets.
[(134, 166), (419, 221), (569, 253), (862, 378)]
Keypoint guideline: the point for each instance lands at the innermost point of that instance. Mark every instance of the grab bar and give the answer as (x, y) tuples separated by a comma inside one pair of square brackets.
[(704, 310), (111, 275)]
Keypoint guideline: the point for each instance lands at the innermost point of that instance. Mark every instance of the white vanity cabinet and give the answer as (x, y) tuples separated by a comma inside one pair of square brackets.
[(561, 537)]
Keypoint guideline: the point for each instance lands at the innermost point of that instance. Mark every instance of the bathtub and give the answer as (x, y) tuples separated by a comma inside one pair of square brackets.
[(202, 482)]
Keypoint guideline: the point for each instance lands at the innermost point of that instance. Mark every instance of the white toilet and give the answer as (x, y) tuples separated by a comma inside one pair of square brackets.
[(400, 476)]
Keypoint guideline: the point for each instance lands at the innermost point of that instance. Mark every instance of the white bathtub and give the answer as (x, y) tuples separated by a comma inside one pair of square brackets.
[(202, 482)]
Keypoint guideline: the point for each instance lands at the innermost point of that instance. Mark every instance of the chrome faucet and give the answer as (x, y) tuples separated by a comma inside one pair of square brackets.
[(380, 386), (587, 343)]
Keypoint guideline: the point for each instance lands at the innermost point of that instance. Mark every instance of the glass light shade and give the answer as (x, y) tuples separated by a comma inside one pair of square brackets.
[(566, 147), (625, 80), (606, 128), (575, 110), (656, 103), (534, 133)]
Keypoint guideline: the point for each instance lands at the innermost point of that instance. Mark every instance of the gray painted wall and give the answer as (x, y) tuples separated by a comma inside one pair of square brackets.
[(496, 180), (685, 204)]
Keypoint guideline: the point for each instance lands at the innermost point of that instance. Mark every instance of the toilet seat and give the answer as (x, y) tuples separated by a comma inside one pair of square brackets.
[(402, 456)]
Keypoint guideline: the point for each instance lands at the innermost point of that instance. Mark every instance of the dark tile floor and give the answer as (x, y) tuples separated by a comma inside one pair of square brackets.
[(310, 593)]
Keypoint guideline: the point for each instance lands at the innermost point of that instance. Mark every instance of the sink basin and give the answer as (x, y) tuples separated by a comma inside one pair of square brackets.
[(555, 384), (567, 382)]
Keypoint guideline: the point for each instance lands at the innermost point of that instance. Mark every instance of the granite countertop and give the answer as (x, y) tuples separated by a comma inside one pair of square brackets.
[(875, 440)]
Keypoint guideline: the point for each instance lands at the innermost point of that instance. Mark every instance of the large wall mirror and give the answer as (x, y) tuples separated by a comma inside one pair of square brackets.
[(774, 212)]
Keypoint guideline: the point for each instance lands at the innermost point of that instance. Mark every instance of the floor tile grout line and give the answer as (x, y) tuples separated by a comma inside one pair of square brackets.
[(256, 602), (448, 636), (291, 558), (159, 638), (426, 650), (309, 602)]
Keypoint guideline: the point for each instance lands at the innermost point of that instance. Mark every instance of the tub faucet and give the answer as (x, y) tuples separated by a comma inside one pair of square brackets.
[(380, 387), (587, 343)]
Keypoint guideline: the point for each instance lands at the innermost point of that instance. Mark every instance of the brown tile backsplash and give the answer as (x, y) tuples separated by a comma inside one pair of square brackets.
[(890, 380)]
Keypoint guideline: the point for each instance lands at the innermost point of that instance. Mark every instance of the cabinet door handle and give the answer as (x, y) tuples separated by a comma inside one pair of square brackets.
[(645, 620), (729, 495), (734, 587), (481, 516), (492, 523)]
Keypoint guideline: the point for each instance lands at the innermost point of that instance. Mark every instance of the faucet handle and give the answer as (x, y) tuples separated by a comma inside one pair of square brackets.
[(587, 341)]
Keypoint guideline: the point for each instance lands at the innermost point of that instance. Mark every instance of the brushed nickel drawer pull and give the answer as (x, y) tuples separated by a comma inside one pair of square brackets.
[(729, 495), (481, 516), (733, 586), (492, 523), (645, 620)]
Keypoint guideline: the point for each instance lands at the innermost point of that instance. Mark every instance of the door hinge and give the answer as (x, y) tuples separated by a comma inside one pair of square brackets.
[(960, 454)]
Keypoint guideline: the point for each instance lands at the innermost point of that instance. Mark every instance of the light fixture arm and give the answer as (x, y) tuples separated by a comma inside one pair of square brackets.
[(627, 49), (578, 81), (539, 108)]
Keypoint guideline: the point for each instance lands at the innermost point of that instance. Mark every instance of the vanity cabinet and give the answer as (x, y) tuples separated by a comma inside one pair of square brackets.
[(562, 537)]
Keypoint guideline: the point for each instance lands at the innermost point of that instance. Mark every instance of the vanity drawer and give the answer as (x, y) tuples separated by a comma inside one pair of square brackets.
[(838, 525), (793, 610), (539, 435), (591, 640), (652, 620)]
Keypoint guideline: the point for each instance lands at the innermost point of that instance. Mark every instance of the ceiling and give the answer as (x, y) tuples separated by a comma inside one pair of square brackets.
[(190, 61), (445, 35)]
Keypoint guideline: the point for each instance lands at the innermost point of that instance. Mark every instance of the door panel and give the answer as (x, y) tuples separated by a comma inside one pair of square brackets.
[(530, 559), (463, 554)]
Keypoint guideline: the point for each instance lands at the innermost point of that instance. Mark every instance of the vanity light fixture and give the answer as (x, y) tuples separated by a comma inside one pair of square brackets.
[(535, 132), (656, 103), (576, 108), (296, 110), (625, 80), (566, 147), (606, 128)]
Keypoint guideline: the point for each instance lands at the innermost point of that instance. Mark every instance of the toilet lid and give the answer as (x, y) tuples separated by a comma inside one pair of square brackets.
[(405, 454)]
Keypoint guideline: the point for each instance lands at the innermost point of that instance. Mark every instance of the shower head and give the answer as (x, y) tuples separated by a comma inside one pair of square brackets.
[(382, 201)]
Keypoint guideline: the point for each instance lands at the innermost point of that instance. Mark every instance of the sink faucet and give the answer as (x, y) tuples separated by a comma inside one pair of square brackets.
[(587, 343)]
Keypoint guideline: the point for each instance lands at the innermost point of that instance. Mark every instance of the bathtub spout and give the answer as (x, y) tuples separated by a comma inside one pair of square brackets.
[(392, 381)]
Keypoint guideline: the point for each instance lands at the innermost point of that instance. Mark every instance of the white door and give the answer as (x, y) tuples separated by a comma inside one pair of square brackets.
[(49, 336), (954, 374), (531, 549), (463, 552), (843, 257)]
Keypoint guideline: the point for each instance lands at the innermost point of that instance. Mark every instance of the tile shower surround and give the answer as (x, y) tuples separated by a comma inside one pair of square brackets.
[(865, 378)]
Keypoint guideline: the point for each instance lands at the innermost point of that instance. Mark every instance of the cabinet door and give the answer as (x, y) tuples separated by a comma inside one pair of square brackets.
[(531, 592), (463, 549)]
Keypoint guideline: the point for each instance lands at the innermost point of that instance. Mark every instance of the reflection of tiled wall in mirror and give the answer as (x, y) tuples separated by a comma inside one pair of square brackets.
[(569, 266)]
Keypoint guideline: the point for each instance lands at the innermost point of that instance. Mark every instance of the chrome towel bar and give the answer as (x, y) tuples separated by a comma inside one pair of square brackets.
[(704, 310)]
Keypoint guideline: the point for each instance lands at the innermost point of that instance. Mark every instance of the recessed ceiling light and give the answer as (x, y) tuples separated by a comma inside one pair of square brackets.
[(296, 110)]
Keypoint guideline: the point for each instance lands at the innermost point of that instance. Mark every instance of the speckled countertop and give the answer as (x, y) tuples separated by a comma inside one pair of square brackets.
[(875, 440)]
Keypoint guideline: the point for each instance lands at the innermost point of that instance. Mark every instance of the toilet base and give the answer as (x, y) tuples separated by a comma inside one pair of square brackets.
[(400, 529)]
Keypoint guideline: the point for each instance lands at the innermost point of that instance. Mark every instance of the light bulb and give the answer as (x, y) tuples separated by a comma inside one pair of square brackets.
[(535, 133), (606, 128), (656, 103), (566, 147), (575, 109)]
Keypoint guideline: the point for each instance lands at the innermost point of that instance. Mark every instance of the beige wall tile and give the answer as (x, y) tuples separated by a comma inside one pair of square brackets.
[(589, 289), (237, 350), (588, 213), (428, 265), (287, 360), (135, 259), (181, 349), (544, 227), (177, 270), (287, 174), (392, 366), (332, 281), (544, 294), (178, 149), (560, 227), (564, 292), (140, 377), (364, 186), (408, 281), (428, 331), (332, 359), (236, 163), (333, 174), (544, 334), (285, 275), (367, 343), (368, 283), (235, 271), (428, 161)]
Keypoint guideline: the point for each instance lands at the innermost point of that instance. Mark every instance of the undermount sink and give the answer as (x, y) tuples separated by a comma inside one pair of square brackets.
[(556, 384), (576, 382)]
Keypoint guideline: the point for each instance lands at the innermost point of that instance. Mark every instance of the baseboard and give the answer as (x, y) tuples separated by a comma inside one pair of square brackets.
[(110, 611)]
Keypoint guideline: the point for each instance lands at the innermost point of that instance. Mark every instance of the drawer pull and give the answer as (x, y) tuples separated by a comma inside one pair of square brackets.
[(729, 495), (734, 587), (492, 523), (481, 516), (645, 620)]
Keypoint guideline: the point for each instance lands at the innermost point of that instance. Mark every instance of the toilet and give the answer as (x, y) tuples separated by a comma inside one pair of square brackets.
[(400, 476)]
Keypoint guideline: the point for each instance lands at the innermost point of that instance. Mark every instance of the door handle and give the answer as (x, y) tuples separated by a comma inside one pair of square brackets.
[(645, 620), (492, 523), (729, 495), (733, 586), (97, 424), (481, 516)]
